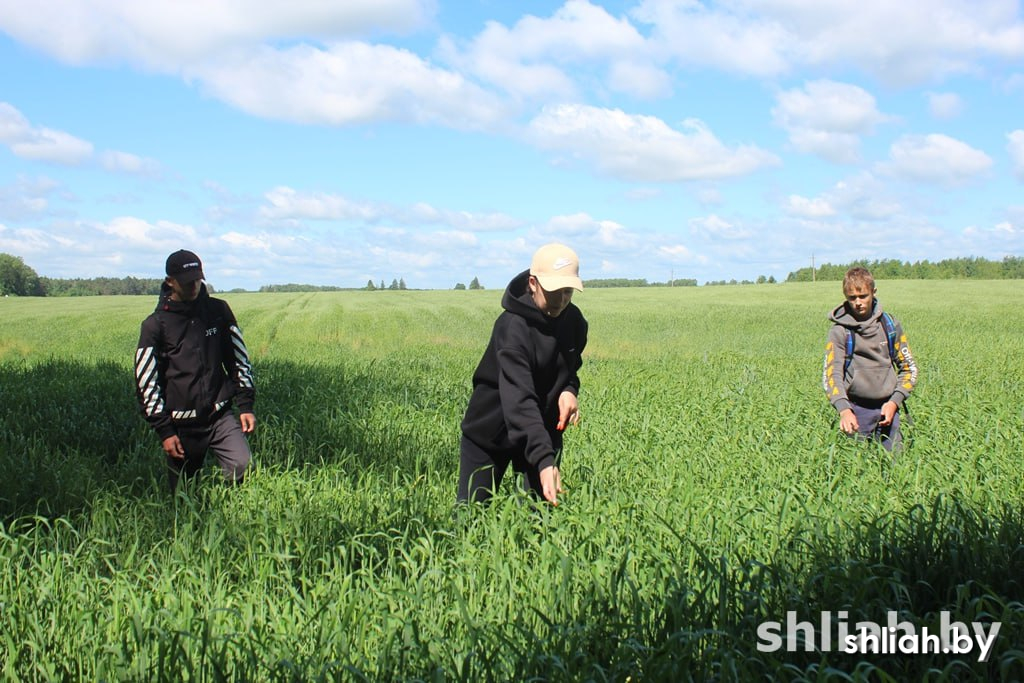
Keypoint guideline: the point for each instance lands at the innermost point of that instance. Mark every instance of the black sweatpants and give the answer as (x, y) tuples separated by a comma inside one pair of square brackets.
[(481, 472), (224, 437)]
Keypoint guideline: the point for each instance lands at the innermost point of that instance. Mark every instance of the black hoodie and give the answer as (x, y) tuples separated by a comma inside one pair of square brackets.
[(530, 360), (191, 363)]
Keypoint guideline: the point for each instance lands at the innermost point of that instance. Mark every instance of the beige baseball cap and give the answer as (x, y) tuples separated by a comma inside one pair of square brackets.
[(556, 266)]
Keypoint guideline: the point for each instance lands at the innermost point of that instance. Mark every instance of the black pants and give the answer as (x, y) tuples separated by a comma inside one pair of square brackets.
[(224, 437), (481, 472)]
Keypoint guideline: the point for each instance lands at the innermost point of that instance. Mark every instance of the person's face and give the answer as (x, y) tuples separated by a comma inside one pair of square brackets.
[(860, 299), (183, 291), (553, 303)]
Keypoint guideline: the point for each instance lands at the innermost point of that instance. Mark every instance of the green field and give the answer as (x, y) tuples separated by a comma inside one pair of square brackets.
[(708, 491)]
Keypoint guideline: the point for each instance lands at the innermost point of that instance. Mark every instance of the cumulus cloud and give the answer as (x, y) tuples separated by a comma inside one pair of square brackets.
[(809, 208), (944, 105), (694, 33), (676, 252), (583, 228), (167, 34), (26, 197), (38, 143), (528, 59), (1015, 146), (827, 119), (347, 83), (861, 198), (290, 205), (936, 159), (909, 41), (132, 231), (124, 162), (285, 203), (641, 148)]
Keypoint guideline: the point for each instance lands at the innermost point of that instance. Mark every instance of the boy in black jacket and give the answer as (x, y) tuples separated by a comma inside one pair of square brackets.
[(525, 387), (190, 366)]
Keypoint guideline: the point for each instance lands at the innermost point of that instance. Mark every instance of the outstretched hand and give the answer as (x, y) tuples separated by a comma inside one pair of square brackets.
[(568, 410), (550, 484)]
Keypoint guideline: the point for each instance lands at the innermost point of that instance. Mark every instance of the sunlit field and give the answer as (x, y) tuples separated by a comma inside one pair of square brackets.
[(708, 491)]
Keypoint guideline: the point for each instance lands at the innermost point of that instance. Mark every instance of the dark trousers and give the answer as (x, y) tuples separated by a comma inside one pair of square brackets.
[(867, 421), (224, 437), (481, 472)]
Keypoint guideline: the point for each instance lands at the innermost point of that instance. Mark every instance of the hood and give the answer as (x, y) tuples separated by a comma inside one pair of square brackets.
[(517, 300), (842, 316), (165, 303)]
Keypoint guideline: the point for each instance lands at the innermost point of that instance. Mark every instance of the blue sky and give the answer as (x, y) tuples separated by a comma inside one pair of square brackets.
[(331, 143)]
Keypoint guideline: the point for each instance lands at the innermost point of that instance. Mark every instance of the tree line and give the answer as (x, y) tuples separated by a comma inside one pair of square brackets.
[(19, 279), (972, 268)]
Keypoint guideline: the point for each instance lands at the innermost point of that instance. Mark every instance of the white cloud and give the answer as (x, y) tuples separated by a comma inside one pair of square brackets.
[(809, 208), (714, 228), (944, 105), (37, 143), (527, 60), (166, 34), (860, 198), (693, 34), (123, 162), (289, 205), (1015, 147), (641, 148), (827, 118), (582, 228), (132, 231), (675, 252), (896, 42), (347, 83), (26, 197), (936, 159), (640, 80)]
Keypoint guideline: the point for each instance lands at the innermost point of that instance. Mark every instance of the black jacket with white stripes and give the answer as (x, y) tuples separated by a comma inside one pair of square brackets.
[(191, 363)]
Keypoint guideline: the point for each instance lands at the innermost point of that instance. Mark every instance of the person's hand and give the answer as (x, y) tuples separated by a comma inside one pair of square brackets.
[(848, 421), (568, 410), (248, 421), (550, 484), (888, 413), (172, 447)]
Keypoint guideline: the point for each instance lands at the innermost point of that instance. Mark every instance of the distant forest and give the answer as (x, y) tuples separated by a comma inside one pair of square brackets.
[(18, 279), (1010, 268)]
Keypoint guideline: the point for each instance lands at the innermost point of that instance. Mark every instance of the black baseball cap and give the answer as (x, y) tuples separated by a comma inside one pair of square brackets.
[(184, 266)]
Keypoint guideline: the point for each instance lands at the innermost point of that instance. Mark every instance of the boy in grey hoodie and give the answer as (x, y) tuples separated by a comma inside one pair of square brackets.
[(868, 388)]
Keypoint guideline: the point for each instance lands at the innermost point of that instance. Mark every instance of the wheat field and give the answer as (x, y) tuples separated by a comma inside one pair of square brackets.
[(708, 490)]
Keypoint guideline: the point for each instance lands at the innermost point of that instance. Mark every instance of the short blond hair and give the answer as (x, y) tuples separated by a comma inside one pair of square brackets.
[(856, 277)]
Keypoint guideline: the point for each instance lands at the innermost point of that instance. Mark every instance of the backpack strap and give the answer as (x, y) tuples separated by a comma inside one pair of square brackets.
[(890, 335), (849, 351)]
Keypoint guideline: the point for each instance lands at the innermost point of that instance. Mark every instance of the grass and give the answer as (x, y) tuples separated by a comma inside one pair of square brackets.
[(708, 491)]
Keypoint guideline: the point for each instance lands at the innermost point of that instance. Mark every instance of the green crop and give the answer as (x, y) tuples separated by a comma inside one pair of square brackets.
[(708, 490)]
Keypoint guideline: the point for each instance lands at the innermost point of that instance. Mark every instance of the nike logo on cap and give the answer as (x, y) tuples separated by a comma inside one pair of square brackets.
[(561, 263)]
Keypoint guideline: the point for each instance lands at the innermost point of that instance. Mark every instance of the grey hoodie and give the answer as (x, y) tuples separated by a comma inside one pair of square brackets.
[(871, 377)]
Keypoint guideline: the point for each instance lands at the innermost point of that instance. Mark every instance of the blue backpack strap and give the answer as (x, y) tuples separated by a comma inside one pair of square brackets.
[(849, 351), (890, 335)]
